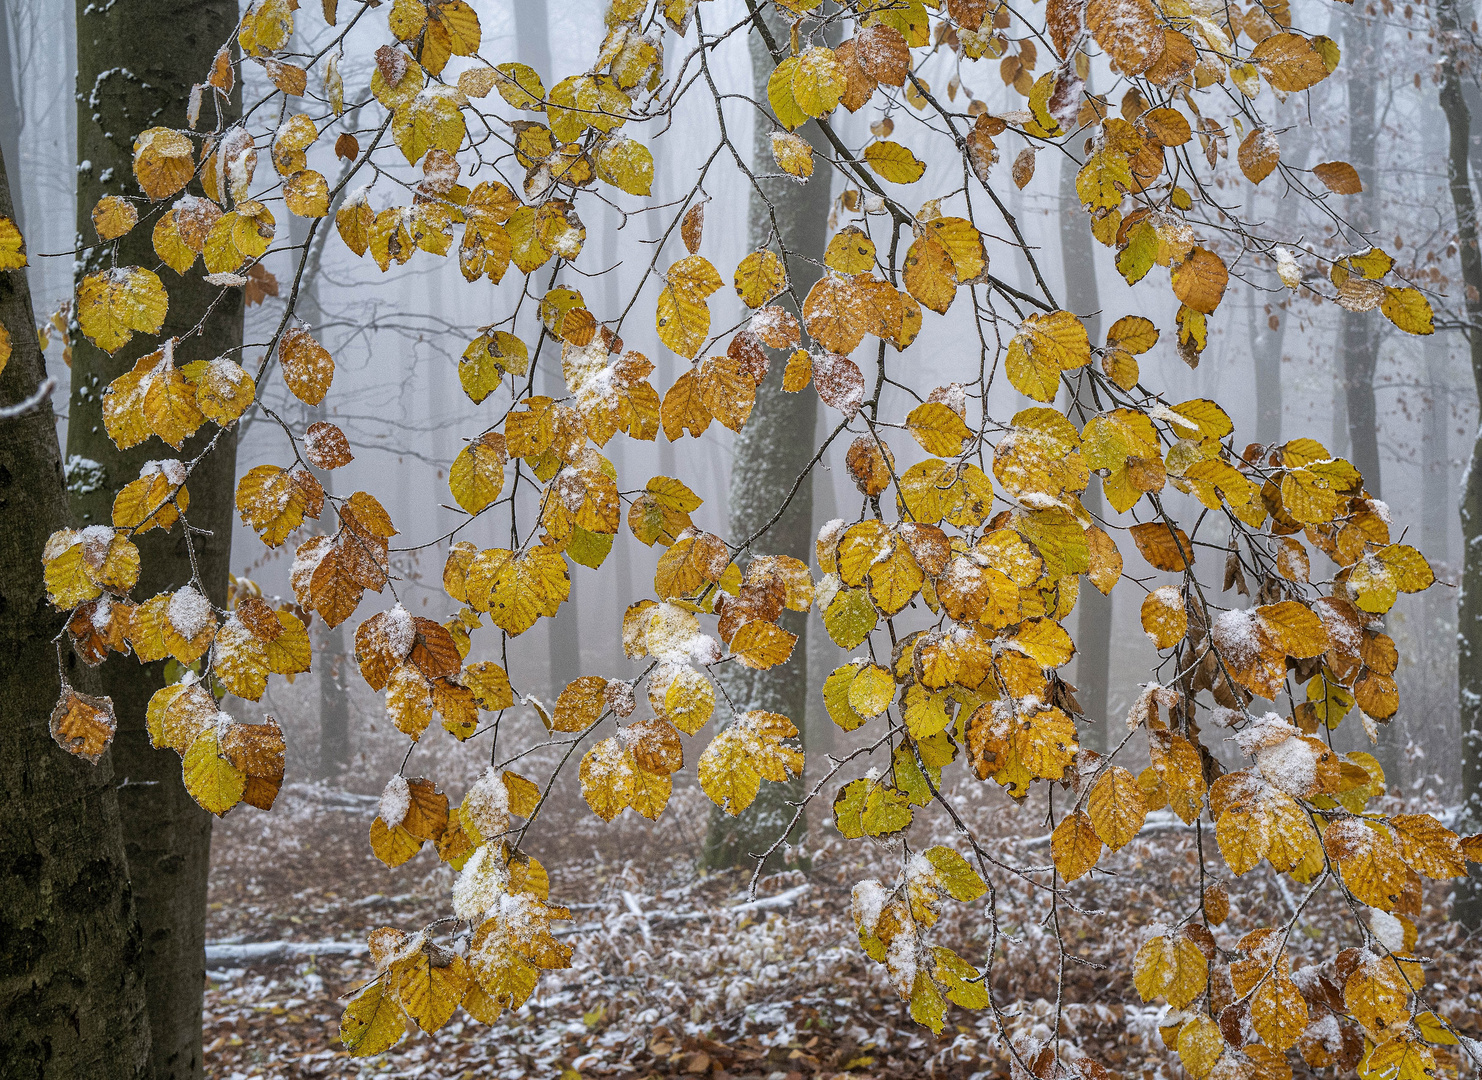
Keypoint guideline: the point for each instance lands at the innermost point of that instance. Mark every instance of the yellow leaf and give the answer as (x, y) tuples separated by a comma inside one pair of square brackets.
[(939, 430), (373, 1022), (1116, 807), (1244, 836), (211, 779), (682, 317), (1200, 1045), (1133, 333), (224, 390), (760, 645), (431, 120), (929, 275), (113, 217), (1163, 617), (170, 401), (893, 162), (308, 369), (164, 162), (476, 476), (748, 751), (868, 807), (689, 700), (1170, 966), (818, 81), (1407, 309), (113, 304), (780, 95), (238, 237), (793, 154), (306, 194), (626, 164), (1074, 846), (266, 27), (12, 246), (518, 84), (1045, 346), (759, 277), (430, 984)]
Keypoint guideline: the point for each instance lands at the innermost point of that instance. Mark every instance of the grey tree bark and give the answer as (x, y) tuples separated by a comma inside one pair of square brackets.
[(1094, 623), (1364, 37), (770, 452), (136, 63), (71, 972), (1466, 904)]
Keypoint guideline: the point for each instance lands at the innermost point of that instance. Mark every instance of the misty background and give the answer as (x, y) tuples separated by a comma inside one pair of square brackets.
[(1275, 361)]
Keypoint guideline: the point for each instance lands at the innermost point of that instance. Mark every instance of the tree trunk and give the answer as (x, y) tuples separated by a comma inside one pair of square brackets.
[(770, 452), (71, 973), (1094, 624), (334, 699), (10, 110), (1466, 904), (1360, 344), (135, 66), (1265, 345), (563, 633)]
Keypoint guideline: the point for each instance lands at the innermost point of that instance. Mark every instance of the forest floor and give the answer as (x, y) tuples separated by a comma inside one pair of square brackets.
[(676, 974)]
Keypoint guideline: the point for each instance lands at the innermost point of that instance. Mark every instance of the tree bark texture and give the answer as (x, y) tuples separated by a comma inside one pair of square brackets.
[(71, 971), (1467, 898), (136, 63), (771, 451)]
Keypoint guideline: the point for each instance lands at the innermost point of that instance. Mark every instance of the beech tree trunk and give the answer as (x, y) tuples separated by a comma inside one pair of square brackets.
[(770, 452), (1265, 345), (71, 979), (1466, 904), (1364, 36), (334, 698), (563, 633), (136, 63), (1094, 623)]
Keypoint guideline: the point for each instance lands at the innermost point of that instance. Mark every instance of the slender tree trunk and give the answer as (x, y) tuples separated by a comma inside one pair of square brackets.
[(1360, 345), (823, 654), (10, 109), (1094, 624), (135, 65), (1266, 344), (334, 699), (71, 972), (1467, 897), (770, 452), (563, 633)]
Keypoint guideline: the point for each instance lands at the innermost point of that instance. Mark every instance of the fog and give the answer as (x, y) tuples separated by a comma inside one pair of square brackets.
[(396, 338)]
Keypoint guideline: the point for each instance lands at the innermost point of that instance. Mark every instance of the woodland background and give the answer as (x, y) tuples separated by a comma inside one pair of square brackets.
[(660, 944)]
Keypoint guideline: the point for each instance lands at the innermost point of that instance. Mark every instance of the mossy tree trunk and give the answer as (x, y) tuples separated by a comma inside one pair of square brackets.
[(136, 63), (71, 982)]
